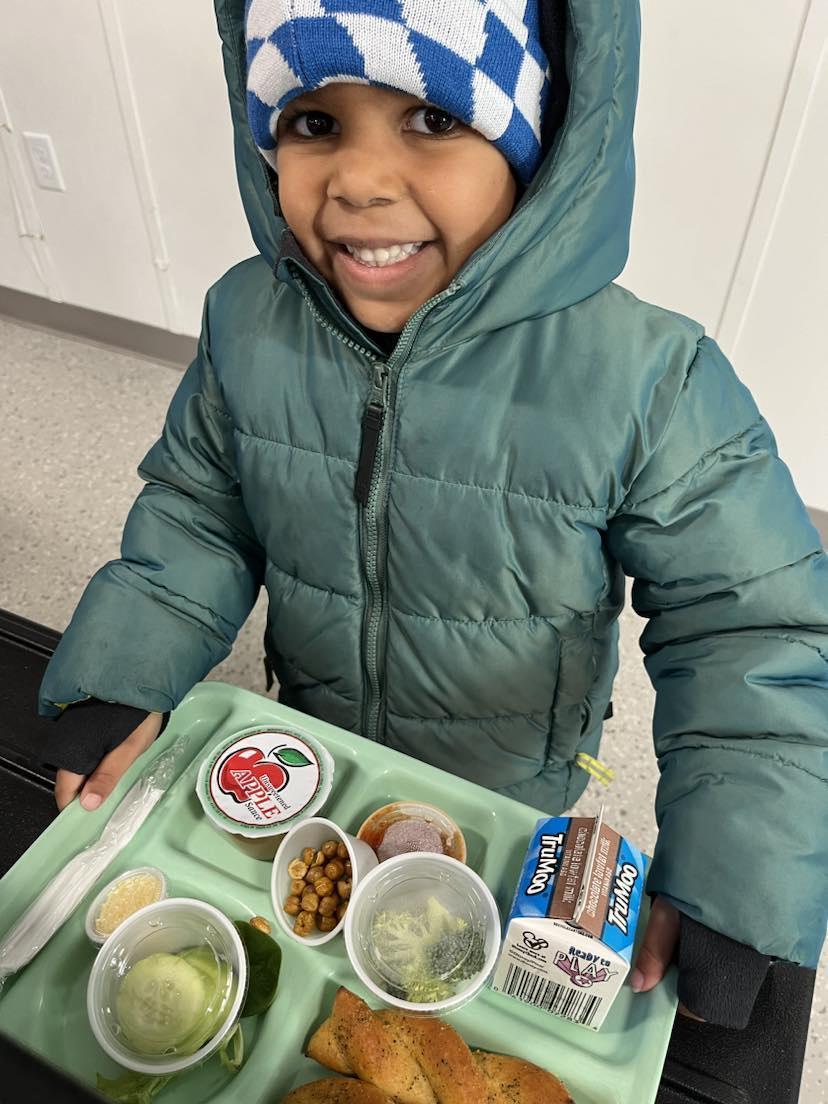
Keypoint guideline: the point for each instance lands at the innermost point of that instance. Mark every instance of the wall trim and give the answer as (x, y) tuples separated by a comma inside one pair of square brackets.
[(93, 327), (136, 144)]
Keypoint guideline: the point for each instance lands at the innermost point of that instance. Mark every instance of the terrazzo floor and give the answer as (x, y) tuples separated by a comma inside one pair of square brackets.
[(78, 418)]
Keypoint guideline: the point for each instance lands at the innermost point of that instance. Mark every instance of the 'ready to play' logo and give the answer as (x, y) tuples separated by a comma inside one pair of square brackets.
[(246, 773), (534, 942)]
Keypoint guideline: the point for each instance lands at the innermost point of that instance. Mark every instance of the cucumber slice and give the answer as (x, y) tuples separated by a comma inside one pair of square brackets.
[(161, 1005)]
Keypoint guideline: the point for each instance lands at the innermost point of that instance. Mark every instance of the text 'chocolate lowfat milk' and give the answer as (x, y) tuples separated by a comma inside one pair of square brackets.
[(569, 937)]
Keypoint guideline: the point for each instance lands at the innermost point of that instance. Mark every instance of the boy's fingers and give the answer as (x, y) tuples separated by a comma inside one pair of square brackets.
[(67, 785), (113, 766), (656, 954)]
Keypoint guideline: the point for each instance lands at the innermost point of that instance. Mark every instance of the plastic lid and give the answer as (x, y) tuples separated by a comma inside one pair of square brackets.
[(261, 781), (449, 954), (167, 986), (420, 929), (121, 897)]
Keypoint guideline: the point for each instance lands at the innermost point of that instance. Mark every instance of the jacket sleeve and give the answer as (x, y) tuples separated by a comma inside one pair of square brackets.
[(154, 622), (731, 575)]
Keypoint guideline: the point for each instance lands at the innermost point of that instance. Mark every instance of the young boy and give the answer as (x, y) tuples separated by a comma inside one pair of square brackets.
[(430, 424)]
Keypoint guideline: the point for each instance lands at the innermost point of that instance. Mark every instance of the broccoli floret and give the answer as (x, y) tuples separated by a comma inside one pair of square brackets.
[(426, 989), (457, 955), (439, 920), (399, 937)]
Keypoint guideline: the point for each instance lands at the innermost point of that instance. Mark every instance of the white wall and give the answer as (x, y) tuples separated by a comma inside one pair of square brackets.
[(134, 99), (731, 171), (775, 318)]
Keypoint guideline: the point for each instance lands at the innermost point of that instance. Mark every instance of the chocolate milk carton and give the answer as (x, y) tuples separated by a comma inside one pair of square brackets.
[(569, 937)]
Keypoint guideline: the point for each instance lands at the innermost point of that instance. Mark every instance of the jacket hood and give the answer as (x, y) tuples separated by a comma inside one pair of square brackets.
[(573, 221)]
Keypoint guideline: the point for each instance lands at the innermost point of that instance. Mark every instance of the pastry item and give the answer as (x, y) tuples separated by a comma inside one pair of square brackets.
[(338, 1090), (419, 1060)]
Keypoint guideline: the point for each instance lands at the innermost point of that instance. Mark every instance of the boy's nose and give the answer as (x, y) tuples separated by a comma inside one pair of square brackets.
[(361, 177)]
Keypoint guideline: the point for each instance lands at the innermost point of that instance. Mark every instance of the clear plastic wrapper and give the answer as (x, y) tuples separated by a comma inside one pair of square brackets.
[(64, 893)]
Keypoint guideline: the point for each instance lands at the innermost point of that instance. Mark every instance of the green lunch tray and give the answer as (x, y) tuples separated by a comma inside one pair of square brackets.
[(45, 1005)]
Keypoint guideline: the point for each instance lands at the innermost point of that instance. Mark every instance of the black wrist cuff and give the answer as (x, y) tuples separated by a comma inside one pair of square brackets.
[(87, 731), (719, 979)]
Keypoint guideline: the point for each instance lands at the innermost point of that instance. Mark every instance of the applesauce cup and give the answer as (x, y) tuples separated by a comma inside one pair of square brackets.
[(260, 782)]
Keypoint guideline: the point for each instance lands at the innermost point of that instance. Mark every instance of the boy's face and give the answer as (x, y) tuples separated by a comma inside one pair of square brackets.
[(368, 169)]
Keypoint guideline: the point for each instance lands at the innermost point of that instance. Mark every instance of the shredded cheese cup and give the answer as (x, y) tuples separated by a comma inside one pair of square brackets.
[(129, 895)]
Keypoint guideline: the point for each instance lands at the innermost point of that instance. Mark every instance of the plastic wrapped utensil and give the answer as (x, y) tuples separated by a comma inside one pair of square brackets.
[(64, 893)]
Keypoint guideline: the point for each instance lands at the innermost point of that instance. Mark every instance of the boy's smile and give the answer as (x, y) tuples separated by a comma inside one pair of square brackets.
[(387, 196)]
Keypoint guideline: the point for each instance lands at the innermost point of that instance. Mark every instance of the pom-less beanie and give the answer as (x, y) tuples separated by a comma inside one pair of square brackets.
[(479, 60)]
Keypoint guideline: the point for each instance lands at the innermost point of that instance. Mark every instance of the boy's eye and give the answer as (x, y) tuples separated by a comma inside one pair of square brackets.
[(433, 120), (313, 124)]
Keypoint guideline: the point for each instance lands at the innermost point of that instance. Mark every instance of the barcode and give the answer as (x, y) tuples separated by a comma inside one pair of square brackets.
[(533, 989)]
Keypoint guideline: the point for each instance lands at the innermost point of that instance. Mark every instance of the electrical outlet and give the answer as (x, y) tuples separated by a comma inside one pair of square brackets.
[(44, 161)]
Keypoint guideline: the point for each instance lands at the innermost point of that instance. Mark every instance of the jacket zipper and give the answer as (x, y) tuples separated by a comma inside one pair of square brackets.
[(370, 492), (373, 474)]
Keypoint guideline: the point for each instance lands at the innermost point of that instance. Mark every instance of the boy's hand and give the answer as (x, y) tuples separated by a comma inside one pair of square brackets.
[(96, 787), (658, 950)]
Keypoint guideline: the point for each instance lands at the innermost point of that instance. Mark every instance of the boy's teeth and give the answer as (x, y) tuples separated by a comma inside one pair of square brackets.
[(381, 258)]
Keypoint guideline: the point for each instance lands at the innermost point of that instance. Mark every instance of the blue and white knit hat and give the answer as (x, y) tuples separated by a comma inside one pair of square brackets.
[(480, 60)]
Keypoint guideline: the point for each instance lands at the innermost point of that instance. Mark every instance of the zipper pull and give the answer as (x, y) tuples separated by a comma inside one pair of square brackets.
[(372, 423)]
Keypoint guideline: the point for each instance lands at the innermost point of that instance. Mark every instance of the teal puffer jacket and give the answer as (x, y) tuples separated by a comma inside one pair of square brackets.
[(543, 434)]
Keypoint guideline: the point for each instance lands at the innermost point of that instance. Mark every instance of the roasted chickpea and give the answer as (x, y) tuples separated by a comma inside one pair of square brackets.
[(343, 908), (329, 849), (328, 906), (262, 924), (327, 923), (292, 906), (343, 888), (298, 886), (334, 870), (307, 856), (324, 887), (341, 851), (304, 923), (310, 902), (314, 874), (319, 858), (297, 868), (348, 869)]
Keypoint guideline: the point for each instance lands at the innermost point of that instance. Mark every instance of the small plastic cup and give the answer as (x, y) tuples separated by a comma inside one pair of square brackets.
[(374, 827), (313, 832), (121, 884), (171, 926), (406, 884), (259, 783)]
